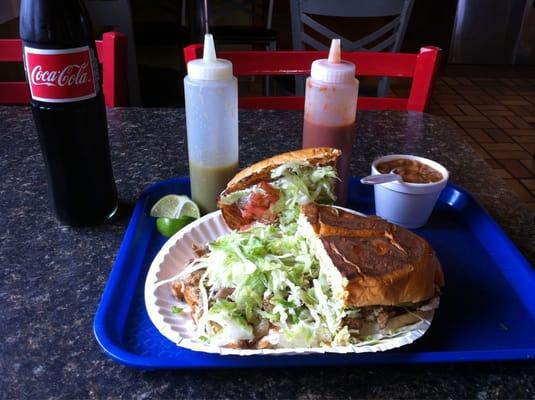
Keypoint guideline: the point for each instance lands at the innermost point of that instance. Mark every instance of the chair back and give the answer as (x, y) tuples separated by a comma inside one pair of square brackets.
[(390, 35), (116, 15), (235, 22), (420, 67), (111, 53), (255, 12), (306, 30)]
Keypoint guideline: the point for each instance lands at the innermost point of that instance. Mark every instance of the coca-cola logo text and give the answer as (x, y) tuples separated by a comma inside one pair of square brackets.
[(61, 75), (69, 76)]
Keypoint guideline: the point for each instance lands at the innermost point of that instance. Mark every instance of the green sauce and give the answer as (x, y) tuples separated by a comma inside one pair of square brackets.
[(208, 182)]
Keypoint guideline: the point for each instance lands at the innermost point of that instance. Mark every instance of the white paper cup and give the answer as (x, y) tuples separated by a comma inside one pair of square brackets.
[(408, 204)]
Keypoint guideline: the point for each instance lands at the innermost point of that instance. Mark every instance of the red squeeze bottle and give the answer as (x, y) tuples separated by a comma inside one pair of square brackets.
[(330, 111)]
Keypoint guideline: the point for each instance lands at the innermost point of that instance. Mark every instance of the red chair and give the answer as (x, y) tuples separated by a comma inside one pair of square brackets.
[(420, 67), (112, 54)]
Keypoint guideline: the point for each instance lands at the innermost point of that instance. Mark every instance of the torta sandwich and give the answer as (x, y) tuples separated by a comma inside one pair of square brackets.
[(294, 273)]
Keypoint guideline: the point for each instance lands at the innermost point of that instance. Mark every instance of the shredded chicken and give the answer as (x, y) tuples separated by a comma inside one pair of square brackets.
[(188, 288), (200, 250), (367, 317)]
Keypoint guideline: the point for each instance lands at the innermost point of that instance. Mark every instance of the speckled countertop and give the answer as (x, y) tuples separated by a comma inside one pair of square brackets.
[(52, 276)]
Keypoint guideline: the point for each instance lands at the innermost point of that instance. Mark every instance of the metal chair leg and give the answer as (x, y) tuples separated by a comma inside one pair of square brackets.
[(272, 46), (383, 88)]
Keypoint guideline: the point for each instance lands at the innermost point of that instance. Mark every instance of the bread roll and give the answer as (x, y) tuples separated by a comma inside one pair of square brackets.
[(384, 264)]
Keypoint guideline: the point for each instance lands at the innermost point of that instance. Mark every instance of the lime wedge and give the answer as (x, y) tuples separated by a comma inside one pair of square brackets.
[(169, 226), (173, 212), (175, 206)]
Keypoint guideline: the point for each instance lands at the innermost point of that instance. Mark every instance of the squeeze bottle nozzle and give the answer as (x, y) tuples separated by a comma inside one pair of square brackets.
[(209, 67), (333, 69), (334, 52), (209, 49)]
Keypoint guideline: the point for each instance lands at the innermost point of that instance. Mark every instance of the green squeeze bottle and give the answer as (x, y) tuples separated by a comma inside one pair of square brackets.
[(211, 98)]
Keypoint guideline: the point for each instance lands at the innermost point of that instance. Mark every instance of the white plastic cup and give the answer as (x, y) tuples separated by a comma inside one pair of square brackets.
[(408, 204)]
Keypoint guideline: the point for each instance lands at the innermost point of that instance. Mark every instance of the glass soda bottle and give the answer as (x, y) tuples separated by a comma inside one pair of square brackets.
[(68, 109)]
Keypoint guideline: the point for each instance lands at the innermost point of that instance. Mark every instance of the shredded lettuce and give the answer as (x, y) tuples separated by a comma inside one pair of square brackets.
[(225, 324), (299, 183), (272, 272), (304, 183), (274, 275)]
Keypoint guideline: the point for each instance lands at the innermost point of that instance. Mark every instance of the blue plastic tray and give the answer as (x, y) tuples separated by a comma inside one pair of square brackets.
[(487, 310)]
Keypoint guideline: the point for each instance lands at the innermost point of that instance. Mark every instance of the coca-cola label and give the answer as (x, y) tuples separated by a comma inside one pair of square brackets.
[(59, 76)]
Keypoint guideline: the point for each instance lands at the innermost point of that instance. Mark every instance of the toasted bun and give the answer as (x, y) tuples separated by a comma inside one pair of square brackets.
[(384, 264), (261, 171)]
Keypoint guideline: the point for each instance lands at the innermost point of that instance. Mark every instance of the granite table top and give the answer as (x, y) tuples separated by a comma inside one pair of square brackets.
[(52, 276)]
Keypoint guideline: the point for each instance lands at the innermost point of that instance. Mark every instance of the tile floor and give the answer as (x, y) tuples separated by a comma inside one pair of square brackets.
[(497, 117)]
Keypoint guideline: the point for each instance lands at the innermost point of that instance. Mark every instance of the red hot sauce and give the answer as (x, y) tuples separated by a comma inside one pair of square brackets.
[(339, 137), (330, 111)]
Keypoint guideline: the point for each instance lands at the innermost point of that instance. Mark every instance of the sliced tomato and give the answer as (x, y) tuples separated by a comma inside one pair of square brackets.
[(272, 192), (259, 203)]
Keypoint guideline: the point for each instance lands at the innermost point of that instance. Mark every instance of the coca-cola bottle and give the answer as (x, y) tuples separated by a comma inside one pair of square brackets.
[(68, 109)]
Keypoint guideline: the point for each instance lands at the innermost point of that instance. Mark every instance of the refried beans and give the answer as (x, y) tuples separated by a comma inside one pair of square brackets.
[(411, 171)]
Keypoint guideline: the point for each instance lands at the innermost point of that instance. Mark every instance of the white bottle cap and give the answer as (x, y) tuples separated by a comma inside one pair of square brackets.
[(209, 68), (333, 69)]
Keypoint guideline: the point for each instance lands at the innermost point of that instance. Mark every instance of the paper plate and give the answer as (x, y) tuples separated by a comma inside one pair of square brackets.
[(179, 328)]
